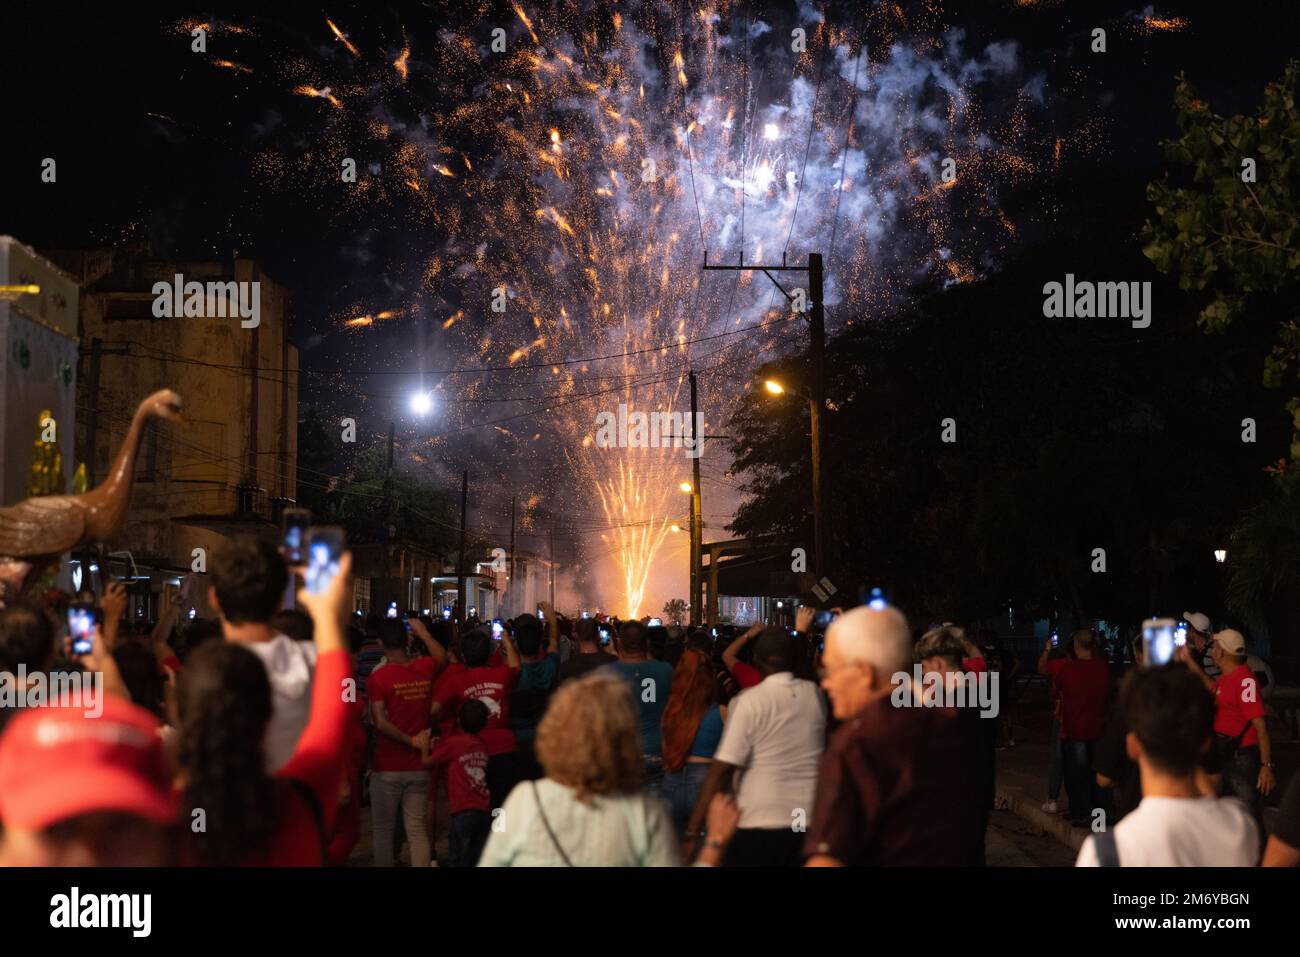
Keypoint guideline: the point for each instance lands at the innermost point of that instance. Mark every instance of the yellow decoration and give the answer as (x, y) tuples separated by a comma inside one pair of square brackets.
[(46, 476)]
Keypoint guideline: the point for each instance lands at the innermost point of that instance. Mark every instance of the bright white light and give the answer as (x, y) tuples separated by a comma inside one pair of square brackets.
[(422, 403), (1220, 555), (771, 131)]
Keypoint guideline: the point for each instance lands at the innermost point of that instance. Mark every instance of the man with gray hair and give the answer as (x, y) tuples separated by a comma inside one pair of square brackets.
[(898, 785)]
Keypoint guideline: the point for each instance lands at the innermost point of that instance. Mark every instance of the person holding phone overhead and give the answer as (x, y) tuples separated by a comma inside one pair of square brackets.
[(1083, 683), (591, 653), (249, 578)]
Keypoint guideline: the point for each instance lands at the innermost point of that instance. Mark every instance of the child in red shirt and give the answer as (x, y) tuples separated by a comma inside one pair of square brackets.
[(465, 758)]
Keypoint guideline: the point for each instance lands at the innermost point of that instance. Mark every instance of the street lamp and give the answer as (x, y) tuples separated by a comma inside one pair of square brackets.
[(776, 388), (422, 403), (687, 487)]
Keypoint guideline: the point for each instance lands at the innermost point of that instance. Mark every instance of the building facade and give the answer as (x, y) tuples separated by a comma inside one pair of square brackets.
[(232, 467)]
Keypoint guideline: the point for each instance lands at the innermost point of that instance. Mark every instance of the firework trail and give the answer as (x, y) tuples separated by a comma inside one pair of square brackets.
[(573, 168)]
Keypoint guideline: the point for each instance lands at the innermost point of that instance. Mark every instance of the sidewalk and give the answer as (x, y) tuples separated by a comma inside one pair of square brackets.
[(1022, 771), (1021, 783)]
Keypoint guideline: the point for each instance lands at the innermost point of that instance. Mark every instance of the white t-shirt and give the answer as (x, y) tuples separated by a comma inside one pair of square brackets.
[(775, 733), (1182, 832)]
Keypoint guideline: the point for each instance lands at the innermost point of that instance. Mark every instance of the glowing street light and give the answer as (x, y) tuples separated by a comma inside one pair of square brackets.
[(422, 403), (675, 527), (687, 487), (774, 387)]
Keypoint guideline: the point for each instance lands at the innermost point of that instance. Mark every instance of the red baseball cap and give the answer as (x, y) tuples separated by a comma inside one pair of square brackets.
[(57, 763)]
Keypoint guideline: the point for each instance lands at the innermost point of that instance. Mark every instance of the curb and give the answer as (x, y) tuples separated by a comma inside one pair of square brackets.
[(1058, 827)]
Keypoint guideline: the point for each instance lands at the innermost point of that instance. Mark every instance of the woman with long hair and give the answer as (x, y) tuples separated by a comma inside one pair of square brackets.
[(236, 813), (588, 810), (692, 728)]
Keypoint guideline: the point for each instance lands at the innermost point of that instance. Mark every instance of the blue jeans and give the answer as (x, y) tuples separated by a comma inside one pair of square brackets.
[(1054, 762), (1080, 781), (681, 789), (654, 774), (469, 832)]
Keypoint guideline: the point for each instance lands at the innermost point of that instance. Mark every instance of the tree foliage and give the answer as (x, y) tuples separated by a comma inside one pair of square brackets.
[(1233, 242)]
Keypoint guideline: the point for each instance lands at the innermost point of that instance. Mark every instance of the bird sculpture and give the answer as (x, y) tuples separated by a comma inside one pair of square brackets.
[(36, 531)]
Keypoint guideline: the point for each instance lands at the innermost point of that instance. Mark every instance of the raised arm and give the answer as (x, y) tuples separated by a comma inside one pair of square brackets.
[(436, 651), (322, 750)]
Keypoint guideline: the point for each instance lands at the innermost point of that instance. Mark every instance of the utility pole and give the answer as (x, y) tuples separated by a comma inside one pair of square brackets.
[(697, 523), (388, 522), (816, 356), (552, 559), (510, 576), (817, 395), (460, 562)]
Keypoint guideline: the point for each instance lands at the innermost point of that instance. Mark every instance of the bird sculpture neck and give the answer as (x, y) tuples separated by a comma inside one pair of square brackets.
[(114, 495)]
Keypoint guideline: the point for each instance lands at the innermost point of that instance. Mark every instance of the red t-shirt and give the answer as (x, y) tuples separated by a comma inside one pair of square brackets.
[(492, 685), (1237, 704), (406, 691), (746, 675), (466, 758), (1083, 684)]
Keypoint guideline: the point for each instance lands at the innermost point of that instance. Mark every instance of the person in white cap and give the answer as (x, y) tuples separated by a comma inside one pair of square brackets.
[(1240, 731), (1198, 634)]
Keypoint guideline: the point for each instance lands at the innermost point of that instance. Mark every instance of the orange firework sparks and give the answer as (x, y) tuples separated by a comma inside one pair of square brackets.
[(324, 94), (527, 23), (342, 39), (1156, 23), (228, 65), (400, 63)]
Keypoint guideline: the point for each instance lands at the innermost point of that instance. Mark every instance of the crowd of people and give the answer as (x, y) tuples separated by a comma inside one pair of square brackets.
[(260, 738)]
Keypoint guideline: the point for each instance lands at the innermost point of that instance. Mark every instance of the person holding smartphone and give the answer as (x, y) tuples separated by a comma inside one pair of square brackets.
[(226, 707), (248, 578), (591, 653), (400, 694)]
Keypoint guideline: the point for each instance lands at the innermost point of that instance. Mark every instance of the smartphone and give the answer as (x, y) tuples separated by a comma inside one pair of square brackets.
[(1180, 634), (1158, 641), (540, 614), (585, 613), (324, 547), (1056, 638), (604, 635), (446, 612), (876, 601), (822, 620), (498, 629), (655, 623), (714, 631), (296, 522), (81, 624), (192, 612)]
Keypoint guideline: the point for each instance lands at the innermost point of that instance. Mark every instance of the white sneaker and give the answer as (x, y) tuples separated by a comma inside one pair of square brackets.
[(1049, 807)]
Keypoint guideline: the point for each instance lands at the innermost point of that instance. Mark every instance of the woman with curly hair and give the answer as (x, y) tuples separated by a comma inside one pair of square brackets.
[(588, 811)]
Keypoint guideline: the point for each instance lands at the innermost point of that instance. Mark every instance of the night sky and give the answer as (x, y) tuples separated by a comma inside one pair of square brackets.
[(155, 141)]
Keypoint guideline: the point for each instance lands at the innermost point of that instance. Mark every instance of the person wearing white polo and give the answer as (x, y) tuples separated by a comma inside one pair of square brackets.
[(769, 756)]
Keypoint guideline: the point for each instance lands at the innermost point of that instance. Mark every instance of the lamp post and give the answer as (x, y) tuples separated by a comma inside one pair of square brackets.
[(776, 388)]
